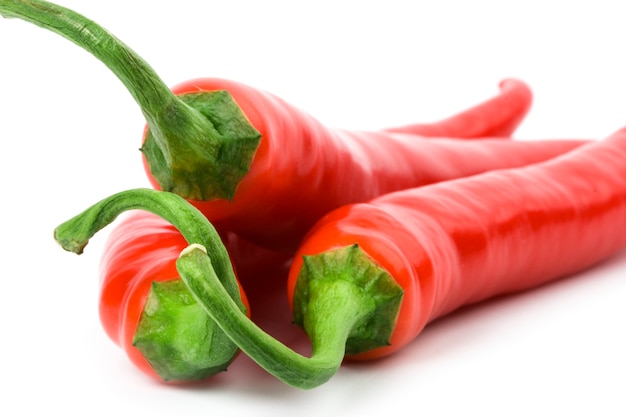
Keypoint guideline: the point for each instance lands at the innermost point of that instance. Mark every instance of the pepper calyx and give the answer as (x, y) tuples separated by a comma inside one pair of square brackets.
[(201, 147), (178, 338), (344, 276)]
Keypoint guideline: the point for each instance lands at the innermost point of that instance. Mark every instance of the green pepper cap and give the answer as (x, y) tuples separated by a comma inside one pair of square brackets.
[(178, 338)]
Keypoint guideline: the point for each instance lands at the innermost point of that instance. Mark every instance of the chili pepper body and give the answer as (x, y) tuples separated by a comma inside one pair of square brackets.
[(463, 241), (302, 170), (140, 251)]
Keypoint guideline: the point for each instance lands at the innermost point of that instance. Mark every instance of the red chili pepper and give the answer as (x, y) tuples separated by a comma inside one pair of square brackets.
[(370, 276), (268, 171), (146, 309), (293, 182)]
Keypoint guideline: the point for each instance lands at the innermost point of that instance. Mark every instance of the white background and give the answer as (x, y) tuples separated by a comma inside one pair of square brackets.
[(70, 135)]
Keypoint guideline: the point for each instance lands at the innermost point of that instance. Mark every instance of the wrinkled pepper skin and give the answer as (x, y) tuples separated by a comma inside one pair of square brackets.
[(459, 242), (301, 170)]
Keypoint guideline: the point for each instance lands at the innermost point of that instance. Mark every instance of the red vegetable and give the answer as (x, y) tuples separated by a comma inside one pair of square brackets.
[(144, 307), (370, 276), (170, 343), (302, 170), (147, 310), (266, 170)]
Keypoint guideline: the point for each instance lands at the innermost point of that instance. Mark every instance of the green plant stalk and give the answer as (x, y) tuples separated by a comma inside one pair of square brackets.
[(190, 145), (345, 303), (328, 344)]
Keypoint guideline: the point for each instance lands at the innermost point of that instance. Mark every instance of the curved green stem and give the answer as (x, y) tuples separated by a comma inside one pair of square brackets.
[(74, 234), (142, 82), (346, 300), (296, 370), (199, 147)]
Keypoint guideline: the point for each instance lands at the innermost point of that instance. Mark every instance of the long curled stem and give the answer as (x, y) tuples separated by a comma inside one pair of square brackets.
[(198, 145)]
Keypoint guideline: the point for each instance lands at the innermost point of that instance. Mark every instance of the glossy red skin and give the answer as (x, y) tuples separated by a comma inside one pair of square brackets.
[(496, 117), (141, 249), (459, 242), (302, 170)]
